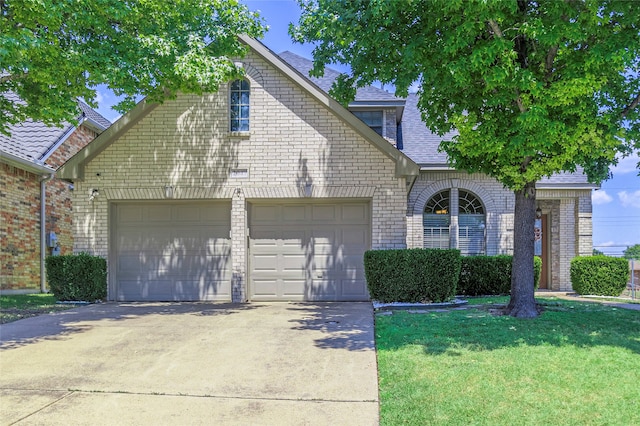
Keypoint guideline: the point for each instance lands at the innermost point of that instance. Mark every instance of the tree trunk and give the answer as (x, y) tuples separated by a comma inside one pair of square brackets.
[(523, 303)]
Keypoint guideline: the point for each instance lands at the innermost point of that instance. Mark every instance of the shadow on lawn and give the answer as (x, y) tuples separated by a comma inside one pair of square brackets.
[(561, 324)]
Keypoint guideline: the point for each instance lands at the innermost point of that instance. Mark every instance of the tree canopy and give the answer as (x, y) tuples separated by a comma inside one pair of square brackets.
[(532, 88), (632, 252), (53, 51)]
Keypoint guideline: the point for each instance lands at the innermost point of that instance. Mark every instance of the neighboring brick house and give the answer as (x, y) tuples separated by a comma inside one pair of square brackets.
[(28, 161), (270, 190)]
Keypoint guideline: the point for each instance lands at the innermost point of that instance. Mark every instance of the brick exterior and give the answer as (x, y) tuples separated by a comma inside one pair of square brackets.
[(297, 148), (20, 216), (569, 212)]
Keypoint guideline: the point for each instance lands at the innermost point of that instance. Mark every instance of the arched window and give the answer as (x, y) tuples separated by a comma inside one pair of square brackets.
[(462, 227), (471, 224), (436, 221), (239, 106)]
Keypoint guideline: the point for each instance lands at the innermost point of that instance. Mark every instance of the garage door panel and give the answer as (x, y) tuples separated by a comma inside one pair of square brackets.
[(324, 213), (355, 213), (294, 213), (265, 288), (129, 214), (158, 213), (293, 289), (354, 288), (174, 253), (309, 252)]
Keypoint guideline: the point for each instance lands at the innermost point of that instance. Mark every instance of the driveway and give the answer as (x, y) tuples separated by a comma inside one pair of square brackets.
[(191, 363)]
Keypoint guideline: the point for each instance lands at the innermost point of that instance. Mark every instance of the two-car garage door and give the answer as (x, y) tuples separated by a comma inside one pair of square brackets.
[(181, 251)]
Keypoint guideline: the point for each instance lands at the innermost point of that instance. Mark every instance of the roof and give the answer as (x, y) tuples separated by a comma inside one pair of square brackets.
[(363, 94), (418, 142), (404, 166), (33, 141)]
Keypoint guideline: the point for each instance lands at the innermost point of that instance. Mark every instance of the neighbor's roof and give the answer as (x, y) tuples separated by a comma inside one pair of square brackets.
[(32, 141)]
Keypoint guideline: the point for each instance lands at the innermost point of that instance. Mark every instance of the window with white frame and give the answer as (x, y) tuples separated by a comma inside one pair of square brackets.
[(372, 119), (469, 222), (239, 106), (436, 221)]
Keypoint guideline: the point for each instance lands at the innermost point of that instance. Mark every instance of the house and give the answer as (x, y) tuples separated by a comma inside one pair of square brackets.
[(271, 190), (35, 213)]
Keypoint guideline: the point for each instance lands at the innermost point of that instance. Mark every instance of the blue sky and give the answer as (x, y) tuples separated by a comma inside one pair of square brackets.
[(616, 205)]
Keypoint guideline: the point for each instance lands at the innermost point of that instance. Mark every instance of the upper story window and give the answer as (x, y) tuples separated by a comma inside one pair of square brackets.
[(372, 119), (239, 106)]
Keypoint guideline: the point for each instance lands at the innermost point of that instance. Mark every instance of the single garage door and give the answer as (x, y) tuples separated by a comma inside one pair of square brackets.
[(308, 251), (172, 251)]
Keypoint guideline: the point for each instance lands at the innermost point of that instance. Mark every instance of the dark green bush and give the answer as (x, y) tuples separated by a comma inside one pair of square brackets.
[(490, 275), (412, 275), (599, 275), (77, 277)]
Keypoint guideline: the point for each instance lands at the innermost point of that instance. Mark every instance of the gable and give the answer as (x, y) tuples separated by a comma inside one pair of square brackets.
[(315, 100)]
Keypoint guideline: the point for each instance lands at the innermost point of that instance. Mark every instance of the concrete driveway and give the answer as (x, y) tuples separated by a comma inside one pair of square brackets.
[(191, 363)]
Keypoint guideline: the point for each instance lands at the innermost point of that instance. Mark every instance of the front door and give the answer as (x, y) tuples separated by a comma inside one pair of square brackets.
[(544, 276)]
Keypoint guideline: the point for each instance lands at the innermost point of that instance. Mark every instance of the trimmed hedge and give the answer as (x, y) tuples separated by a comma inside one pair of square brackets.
[(599, 275), (77, 277), (490, 275), (412, 275)]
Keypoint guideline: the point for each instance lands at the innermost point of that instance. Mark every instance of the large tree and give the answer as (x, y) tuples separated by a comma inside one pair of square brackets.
[(53, 51), (531, 87)]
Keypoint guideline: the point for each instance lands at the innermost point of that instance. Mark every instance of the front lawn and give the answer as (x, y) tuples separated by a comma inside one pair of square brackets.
[(18, 306), (575, 364)]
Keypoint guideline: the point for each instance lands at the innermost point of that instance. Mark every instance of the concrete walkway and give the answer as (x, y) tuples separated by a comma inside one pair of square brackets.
[(577, 298), (191, 363)]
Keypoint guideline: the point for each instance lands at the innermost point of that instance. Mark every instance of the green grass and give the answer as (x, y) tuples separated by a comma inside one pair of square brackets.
[(577, 364), (19, 306)]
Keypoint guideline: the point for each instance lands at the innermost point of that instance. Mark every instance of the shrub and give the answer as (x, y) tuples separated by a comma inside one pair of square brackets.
[(412, 275), (599, 275), (490, 275), (77, 277)]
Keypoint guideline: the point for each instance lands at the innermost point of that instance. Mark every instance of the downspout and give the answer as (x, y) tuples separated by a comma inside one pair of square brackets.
[(43, 230)]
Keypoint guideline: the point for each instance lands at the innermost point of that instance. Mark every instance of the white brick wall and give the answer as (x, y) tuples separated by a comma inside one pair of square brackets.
[(294, 142)]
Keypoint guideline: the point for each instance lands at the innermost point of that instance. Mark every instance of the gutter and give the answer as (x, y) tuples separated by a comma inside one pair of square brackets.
[(43, 230), (24, 164)]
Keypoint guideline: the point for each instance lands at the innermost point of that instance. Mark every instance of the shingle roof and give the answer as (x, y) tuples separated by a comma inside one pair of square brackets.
[(418, 142), (94, 115), (304, 66), (32, 140), (414, 138)]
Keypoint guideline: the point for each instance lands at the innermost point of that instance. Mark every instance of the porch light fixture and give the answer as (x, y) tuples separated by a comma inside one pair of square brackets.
[(168, 191), (538, 213), (93, 193)]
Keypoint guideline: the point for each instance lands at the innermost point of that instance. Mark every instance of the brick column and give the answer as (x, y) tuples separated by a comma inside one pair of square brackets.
[(239, 247), (567, 240)]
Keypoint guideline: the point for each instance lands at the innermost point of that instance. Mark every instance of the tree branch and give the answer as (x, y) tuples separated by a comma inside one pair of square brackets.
[(548, 66), (631, 106), (495, 28), (498, 33), (9, 77)]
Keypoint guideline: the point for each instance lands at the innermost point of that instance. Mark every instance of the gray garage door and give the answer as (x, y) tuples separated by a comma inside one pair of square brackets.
[(172, 251), (308, 251)]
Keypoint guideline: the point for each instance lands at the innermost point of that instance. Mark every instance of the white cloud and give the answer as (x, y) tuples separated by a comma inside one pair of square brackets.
[(626, 165), (629, 199), (601, 197)]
